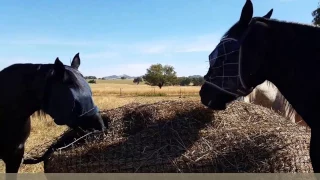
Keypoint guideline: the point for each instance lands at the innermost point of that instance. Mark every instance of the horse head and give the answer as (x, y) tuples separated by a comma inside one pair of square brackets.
[(67, 97), (235, 63)]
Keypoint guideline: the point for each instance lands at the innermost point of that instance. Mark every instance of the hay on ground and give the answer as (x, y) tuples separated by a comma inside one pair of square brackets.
[(185, 136)]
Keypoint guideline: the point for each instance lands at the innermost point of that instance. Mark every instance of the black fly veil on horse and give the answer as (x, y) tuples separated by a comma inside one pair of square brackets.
[(225, 65), (77, 105), (225, 68)]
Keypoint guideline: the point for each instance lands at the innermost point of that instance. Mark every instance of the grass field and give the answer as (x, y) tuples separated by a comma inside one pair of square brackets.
[(106, 94), (127, 88)]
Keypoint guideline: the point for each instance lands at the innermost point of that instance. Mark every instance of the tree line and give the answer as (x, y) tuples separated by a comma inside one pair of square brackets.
[(316, 15), (165, 75), (161, 75)]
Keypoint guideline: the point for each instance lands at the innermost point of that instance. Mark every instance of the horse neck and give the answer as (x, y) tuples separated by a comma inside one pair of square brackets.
[(23, 90), (293, 63)]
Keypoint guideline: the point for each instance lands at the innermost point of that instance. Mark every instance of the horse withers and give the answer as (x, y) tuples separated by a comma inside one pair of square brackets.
[(54, 89), (256, 49)]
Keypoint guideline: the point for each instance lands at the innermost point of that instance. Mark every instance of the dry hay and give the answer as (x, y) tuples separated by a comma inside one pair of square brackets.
[(184, 136)]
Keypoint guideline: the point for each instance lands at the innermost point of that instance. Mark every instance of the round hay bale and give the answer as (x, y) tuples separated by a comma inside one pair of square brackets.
[(185, 136)]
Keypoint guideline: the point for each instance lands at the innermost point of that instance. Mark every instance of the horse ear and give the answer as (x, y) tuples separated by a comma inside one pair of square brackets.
[(246, 13), (76, 61), (269, 14), (59, 69)]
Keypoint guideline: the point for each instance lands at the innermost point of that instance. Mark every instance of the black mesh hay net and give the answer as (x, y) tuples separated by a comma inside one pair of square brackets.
[(186, 137)]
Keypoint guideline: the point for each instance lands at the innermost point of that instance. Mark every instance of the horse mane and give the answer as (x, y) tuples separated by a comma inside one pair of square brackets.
[(289, 110), (284, 107), (290, 28), (276, 22), (41, 114), (286, 22)]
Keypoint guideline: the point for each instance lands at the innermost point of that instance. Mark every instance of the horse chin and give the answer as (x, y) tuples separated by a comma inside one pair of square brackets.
[(212, 104), (91, 123), (216, 106), (213, 98)]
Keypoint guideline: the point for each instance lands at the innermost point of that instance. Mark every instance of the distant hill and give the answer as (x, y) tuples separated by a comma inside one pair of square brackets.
[(118, 77)]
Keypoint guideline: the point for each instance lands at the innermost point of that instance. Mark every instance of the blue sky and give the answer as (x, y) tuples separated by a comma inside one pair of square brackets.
[(127, 36)]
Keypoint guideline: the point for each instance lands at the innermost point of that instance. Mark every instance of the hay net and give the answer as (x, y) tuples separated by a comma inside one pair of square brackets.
[(184, 136)]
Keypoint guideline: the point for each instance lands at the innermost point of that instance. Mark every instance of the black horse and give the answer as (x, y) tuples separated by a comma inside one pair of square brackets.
[(55, 89), (256, 49)]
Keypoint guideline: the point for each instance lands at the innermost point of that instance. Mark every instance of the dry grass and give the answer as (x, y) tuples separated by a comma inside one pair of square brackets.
[(184, 136), (103, 89), (45, 130)]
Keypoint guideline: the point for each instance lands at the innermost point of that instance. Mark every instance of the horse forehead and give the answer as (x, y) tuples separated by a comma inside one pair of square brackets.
[(84, 86), (74, 71)]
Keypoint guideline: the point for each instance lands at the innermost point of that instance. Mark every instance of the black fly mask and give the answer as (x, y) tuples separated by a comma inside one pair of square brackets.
[(225, 67), (77, 104)]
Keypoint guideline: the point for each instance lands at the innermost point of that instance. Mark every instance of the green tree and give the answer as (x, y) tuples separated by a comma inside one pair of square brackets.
[(137, 80), (316, 16), (169, 75), (92, 81), (90, 77), (198, 81), (123, 77), (159, 75), (184, 81)]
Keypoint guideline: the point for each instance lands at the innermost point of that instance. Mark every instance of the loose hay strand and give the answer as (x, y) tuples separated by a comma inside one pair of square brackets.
[(64, 147)]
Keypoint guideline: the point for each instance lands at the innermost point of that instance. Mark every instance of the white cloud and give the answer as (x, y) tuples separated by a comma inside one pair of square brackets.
[(166, 45), (184, 45), (132, 69), (117, 54), (47, 41), (200, 44), (17, 59), (154, 49), (198, 68), (100, 55)]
